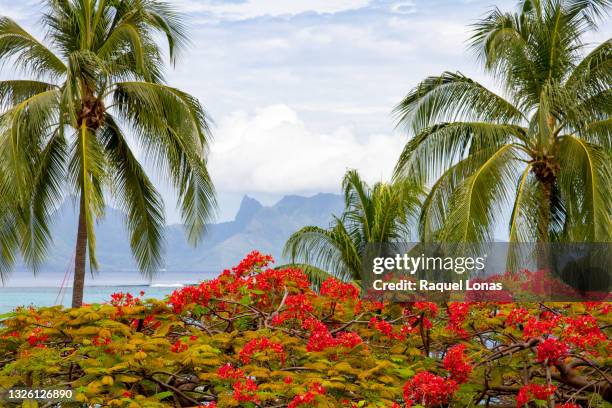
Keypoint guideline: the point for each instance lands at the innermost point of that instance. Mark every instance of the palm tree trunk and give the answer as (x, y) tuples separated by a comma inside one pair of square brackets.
[(544, 226), (79, 259)]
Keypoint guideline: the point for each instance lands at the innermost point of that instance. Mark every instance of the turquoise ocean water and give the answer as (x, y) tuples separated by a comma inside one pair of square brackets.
[(25, 289), (11, 297)]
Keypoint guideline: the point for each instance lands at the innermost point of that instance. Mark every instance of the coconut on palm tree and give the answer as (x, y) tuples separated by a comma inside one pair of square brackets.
[(542, 147), (94, 93), (379, 214)]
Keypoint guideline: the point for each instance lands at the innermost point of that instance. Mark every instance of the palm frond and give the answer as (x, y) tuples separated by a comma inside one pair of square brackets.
[(30, 54), (173, 129), (453, 97), (587, 176), (137, 197)]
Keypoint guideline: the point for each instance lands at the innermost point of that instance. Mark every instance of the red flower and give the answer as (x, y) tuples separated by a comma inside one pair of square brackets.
[(308, 397), (517, 316), (457, 313), (245, 390), (385, 328), (100, 341), (530, 392), (429, 390), (338, 291), (457, 364), (258, 345), (178, 347), (429, 308), (551, 351), (228, 371)]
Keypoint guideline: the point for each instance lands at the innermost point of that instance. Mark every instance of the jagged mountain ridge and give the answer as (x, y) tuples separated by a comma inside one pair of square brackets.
[(265, 228)]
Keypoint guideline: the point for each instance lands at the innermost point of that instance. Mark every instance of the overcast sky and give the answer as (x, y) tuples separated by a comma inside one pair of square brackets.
[(301, 90)]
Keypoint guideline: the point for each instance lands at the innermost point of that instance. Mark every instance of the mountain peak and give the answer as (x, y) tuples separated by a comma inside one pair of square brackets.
[(248, 208)]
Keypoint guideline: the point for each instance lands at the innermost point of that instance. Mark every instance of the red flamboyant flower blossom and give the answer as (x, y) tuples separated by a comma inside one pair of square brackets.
[(429, 390), (101, 341), (530, 392), (228, 371), (178, 347), (254, 260), (517, 316), (385, 328), (123, 299), (457, 363), (321, 339), (551, 350), (429, 308), (569, 405), (245, 390), (258, 345), (308, 397), (535, 327), (583, 332), (457, 313), (339, 291), (36, 340)]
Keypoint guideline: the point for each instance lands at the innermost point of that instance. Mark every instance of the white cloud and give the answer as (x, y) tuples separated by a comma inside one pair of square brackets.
[(258, 8), (273, 151)]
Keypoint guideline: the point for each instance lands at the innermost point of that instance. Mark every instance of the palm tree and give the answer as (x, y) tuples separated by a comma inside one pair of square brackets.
[(542, 147), (95, 91), (375, 215)]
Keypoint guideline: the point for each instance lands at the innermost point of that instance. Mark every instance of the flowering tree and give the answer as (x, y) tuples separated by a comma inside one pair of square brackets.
[(260, 337)]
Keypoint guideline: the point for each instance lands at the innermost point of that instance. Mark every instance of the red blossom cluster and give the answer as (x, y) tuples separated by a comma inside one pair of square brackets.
[(457, 313), (244, 387), (148, 322), (296, 307), (321, 339), (179, 347), (123, 299), (308, 397), (551, 350), (259, 345), (583, 332), (536, 327), (532, 392), (385, 328), (517, 316), (245, 390), (457, 363), (228, 371), (101, 341), (36, 339), (335, 319), (428, 390), (339, 291)]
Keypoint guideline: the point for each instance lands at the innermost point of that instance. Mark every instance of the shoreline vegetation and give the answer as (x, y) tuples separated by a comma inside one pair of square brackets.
[(303, 334)]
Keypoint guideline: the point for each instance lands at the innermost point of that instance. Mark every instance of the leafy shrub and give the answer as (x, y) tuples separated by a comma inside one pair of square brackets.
[(260, 337)]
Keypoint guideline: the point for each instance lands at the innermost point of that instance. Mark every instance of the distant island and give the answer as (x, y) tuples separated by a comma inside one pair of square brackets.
[(225, 243)]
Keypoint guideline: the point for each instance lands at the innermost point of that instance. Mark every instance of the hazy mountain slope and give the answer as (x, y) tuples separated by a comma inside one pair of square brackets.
[(255, 227)]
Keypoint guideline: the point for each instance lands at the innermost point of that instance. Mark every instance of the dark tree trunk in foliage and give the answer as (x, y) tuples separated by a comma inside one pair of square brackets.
[(544, 225), (79, 259)]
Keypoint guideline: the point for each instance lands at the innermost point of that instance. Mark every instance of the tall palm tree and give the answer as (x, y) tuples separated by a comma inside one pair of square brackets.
[(542, 147), (375, 215), (94, 92)]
